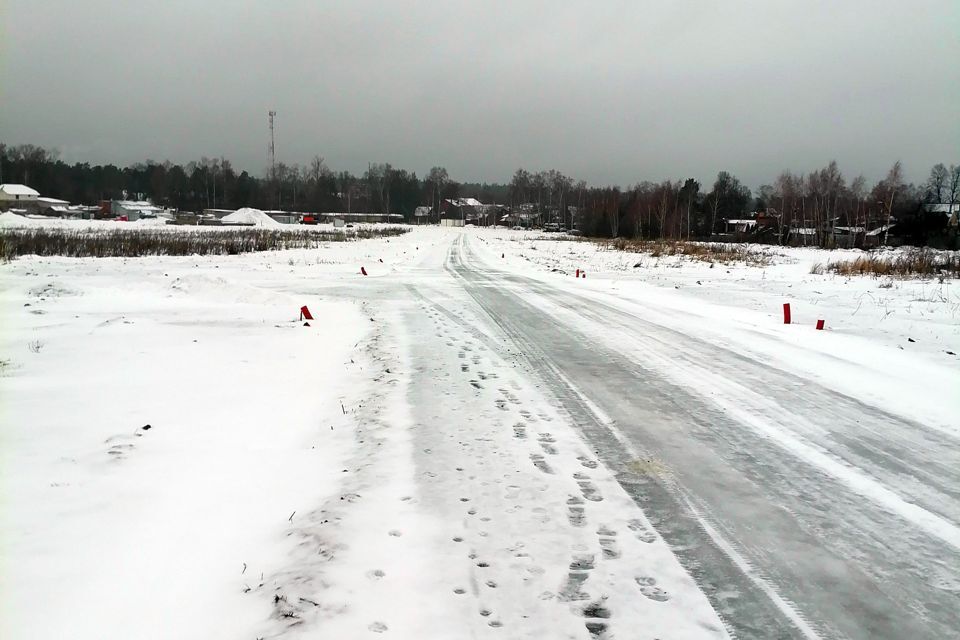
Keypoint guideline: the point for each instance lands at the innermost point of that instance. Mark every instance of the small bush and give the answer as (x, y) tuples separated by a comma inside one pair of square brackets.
[(133, 243), (911, 263)]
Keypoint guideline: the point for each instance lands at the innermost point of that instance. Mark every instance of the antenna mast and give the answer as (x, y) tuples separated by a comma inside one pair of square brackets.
[(272, 149)]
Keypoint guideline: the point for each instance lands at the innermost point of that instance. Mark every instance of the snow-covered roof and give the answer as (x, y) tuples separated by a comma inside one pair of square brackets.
[(941, 208), (142, 206), (879, 230), (18, 190), (465, 202), (53, 202), (850, 229)]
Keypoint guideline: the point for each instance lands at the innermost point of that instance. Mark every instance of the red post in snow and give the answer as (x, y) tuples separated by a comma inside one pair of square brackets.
[(819, 325), (363, 271), (786, 313), (578, 274), (305, 313)]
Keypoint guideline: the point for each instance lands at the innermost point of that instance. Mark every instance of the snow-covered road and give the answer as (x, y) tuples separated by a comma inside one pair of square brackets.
[(475, 449), (800, 511)]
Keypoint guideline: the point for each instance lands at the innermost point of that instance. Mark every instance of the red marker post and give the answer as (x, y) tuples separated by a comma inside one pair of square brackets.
[(305, 313), (820, 325), (786, 313), (363, 271)]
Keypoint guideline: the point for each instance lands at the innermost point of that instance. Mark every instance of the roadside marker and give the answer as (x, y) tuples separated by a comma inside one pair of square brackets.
[(578, 273), (819, 325), (786, 313), (305, 313), (363, 271)]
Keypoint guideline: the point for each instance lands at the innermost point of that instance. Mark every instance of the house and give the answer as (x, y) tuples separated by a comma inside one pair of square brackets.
[(797, 236), (422, 214), (52, 206), (739, 226), (882, 235), (951, 211), (464, 209), (849, 236), (17, 196)]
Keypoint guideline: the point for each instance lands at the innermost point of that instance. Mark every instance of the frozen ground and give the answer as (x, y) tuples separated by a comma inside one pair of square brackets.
[(467, 443)]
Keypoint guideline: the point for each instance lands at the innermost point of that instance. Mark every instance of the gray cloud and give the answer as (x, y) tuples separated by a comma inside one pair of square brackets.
[(610, 92)]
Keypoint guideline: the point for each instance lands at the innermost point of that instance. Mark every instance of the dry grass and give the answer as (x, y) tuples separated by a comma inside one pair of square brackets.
[(916, 263), (712, 252), (127, 243)]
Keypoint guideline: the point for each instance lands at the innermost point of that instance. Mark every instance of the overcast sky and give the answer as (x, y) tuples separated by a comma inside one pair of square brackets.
[(611, 92)]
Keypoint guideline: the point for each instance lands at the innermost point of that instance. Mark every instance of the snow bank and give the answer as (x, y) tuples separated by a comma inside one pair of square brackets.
[(255, 217), (9, 219)]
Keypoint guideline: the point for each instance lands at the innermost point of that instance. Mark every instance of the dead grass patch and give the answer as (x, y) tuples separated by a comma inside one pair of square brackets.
[(132, 243), (712, 252), (917, 263)]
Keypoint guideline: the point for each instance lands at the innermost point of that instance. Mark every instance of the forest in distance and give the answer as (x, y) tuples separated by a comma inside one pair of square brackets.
[(820, 199)]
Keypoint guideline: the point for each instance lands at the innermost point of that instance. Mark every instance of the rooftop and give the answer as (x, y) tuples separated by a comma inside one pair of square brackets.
[(18, 190)]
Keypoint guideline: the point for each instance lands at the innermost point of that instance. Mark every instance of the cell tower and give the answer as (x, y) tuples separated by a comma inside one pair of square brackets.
[(272, 149)]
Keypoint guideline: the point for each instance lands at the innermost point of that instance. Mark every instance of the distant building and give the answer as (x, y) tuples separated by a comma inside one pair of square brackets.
[(422, 214), (951, 211), (289, 217), (133, 210), (52, 207), (18, 196), (739, 226), (360, 217), (465, 209)]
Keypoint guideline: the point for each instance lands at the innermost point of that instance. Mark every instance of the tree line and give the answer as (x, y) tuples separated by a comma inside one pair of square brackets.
[(820, 200)]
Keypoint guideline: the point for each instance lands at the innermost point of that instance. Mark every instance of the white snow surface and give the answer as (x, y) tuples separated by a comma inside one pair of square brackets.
[(255, 217), (11, 219), (332, 479)]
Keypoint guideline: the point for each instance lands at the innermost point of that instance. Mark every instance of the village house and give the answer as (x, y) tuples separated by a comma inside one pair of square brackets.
[(18, 196)]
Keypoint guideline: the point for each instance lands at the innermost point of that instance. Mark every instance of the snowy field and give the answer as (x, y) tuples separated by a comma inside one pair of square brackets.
[(181, 457), (888, 311), (241, 219)]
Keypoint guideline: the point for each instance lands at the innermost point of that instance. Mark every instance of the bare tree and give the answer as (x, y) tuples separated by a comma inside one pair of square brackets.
[(953, 186), (892, 185), (936, 187), (437, 178), (318, 168)]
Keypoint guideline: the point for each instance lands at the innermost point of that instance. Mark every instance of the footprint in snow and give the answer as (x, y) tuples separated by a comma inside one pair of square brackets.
[(649, 588), (587, 462), (540, 463), (641, 531)]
